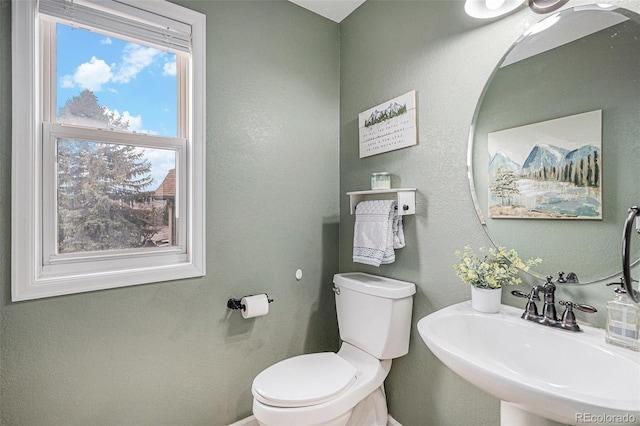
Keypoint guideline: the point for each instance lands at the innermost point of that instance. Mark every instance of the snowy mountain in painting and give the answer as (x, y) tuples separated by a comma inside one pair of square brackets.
[(541, 156), (544, 155), (500, 159), (393, 110), (582, 152)]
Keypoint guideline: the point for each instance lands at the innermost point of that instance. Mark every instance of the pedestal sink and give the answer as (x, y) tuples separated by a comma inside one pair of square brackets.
[(542, 375)]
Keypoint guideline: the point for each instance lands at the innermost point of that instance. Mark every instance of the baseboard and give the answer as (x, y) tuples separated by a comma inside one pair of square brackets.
[(393, 422), (251, 421)]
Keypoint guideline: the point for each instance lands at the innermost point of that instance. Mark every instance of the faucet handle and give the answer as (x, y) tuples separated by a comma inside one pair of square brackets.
[(581, 307), (531, 310), (572, 278), (531, 296), (568, 321)]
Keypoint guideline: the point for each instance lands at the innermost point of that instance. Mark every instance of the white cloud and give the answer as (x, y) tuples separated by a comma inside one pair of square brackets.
[(67, 82), (90, 75), (134, 121), (162, 160), (135, 59), (169, 68), (93, 75)]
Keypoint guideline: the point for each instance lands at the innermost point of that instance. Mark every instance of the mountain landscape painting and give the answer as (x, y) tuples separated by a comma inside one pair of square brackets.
[(547, 170)]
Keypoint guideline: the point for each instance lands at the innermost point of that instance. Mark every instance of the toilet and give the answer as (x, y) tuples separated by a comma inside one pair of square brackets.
[(344, 388)]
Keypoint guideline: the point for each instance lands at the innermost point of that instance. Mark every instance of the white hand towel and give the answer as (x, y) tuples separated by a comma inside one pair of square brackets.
[(398, 231), (373, 236)]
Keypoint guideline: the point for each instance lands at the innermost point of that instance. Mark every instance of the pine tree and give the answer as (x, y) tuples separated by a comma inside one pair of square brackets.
[(99, 185), (84, 110), (505, 186), (596, 170), (589, 177)]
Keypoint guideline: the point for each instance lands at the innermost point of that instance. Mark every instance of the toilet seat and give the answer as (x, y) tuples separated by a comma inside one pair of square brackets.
[(304, 380)]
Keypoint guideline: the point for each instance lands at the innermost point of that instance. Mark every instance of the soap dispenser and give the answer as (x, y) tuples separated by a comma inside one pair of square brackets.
[(623, 320)]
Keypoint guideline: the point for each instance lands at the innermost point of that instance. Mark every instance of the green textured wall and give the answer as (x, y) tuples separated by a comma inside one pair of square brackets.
[(389, 48), (171, 353)]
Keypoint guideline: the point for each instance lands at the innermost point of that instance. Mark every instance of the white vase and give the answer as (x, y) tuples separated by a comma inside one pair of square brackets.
[(486, 300)]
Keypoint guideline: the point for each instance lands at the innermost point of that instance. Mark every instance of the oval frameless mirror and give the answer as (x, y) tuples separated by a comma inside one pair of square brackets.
[(553, 148)]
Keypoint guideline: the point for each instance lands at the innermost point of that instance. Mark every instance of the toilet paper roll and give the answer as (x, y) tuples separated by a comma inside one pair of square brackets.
[(255, 306)]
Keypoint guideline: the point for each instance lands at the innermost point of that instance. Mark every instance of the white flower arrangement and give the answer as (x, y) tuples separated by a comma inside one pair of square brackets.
[(493, 268)]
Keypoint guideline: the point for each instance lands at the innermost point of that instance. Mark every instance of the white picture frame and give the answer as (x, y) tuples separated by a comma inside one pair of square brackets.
[(388, 126), (547, 170)]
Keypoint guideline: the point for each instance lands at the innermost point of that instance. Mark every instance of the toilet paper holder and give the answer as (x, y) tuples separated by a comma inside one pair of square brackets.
[(236, 304)]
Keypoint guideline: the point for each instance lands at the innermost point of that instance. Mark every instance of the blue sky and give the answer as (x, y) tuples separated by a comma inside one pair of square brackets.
[(134, 81)]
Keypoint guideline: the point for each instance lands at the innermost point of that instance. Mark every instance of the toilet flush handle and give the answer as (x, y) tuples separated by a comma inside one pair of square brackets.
[(336, 290)]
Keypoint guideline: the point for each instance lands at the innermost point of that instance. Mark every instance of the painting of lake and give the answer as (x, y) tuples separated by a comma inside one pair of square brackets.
[(547, 170)]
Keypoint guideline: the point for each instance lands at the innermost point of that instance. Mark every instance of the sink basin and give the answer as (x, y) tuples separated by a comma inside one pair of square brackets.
[(539, 371)]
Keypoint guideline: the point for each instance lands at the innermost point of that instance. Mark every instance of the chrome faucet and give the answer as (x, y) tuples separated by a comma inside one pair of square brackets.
[(549, 315), (571, 278)]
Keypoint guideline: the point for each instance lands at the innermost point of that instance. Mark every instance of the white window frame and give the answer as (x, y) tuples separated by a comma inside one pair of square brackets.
[(36, 272)]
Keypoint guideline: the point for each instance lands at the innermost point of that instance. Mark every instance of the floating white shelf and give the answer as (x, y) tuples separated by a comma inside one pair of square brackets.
[(406, 198)]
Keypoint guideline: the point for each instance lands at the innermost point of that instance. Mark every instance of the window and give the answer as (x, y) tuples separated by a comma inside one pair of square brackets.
[(108, 145)]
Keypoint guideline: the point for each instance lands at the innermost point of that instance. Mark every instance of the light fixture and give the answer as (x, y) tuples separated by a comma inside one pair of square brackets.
[(487, 9), (545, 6)]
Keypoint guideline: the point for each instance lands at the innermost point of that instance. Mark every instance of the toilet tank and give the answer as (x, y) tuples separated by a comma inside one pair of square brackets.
[(374, 313)]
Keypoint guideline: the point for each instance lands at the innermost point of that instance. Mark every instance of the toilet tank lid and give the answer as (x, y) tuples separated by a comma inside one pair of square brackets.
[(375, 285)]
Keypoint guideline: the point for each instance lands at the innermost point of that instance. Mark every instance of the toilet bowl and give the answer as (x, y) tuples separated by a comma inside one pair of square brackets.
[(322, 389), (344, 388)]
